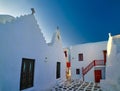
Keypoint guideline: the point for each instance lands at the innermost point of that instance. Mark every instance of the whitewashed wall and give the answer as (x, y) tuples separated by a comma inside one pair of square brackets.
[(112, 81), (91, 51), (22, 38)]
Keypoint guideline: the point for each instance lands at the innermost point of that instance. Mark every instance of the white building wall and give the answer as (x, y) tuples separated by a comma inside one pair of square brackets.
[(89, 77), (91, 51), (112, 81), (22, 38)]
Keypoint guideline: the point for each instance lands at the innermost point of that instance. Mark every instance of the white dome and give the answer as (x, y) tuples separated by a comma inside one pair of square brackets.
[(6, 18)]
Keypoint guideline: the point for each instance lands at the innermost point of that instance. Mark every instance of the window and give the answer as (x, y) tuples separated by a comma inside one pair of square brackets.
[(80, 57), (58, 70), (27, 73), (65, 52), (77, 71)]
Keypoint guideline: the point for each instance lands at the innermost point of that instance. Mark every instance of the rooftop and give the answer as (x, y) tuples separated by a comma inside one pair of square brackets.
[(6, 18)]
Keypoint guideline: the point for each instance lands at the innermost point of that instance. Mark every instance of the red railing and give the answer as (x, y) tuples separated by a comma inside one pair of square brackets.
[(91, 65), (98, 62), (94, 63)]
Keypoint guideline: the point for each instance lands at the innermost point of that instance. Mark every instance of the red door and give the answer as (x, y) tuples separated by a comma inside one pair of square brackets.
[(98, 75)]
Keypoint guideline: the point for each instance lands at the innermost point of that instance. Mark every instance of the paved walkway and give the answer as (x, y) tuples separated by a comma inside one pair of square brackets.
[(76, 85)]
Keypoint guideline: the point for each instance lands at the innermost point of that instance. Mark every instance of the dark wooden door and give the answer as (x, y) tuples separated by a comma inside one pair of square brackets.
[(98, 75), (27, 73)]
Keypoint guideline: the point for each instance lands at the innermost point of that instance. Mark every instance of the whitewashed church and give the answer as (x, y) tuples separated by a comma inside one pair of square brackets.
[(27, 62)]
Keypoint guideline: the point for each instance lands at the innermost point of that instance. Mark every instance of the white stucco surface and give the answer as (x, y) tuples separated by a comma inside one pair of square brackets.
[(112, 81), (91, 51), (22, 38)]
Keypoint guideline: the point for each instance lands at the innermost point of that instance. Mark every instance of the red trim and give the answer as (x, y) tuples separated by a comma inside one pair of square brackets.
[(98, 75), (92, 64), (95, 63), (65, 52), (104, 54), (68, 64), (80, 57)]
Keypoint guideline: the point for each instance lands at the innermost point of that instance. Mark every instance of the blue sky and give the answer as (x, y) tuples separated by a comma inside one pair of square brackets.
[(80, 21)]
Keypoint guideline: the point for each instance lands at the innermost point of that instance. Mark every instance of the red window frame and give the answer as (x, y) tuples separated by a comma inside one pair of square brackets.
[(65, 52), (80, 56)]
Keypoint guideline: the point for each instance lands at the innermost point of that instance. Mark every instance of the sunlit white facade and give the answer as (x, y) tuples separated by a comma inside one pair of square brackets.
[(89, 59), (84, 55), (112, 81), (27, 62)]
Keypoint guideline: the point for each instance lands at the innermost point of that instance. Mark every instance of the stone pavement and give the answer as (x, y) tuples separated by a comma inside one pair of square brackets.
[(77, 85)]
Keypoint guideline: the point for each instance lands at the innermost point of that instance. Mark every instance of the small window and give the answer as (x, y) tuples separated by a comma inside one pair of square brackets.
[(77, 71), (80, 57), (58, 37), (65, 52), (58, 70)]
